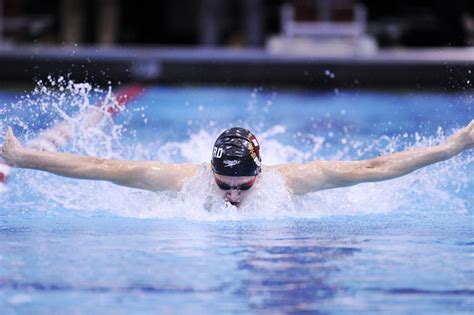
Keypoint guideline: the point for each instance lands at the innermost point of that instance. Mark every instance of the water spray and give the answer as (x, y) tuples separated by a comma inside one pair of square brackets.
[(56, 137)]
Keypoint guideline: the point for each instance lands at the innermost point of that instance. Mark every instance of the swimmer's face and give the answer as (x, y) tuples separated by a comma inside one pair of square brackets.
[(234, 188)]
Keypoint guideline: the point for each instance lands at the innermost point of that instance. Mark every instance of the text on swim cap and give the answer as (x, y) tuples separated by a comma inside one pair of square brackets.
[(231, 163), (217, 152)]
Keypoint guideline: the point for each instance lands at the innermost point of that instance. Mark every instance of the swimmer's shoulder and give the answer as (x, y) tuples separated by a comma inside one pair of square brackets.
[(299, 170), (158, 176), (186, 170), (301, 178), (286, 171)]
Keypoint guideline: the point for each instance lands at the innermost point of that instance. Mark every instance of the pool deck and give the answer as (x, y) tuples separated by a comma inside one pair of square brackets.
[(443, 68)]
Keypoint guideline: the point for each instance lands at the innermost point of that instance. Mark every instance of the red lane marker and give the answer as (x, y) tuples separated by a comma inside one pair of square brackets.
[(4, 170), (124, 96)]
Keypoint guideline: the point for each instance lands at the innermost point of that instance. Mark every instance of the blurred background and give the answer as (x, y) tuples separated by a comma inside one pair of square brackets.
[(235, 23), (315, 36)]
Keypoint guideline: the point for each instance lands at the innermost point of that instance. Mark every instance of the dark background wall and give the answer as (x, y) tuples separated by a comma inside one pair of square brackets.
[(181, 22)]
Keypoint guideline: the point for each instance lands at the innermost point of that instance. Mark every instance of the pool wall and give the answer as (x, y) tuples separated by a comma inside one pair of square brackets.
[(447, 68)]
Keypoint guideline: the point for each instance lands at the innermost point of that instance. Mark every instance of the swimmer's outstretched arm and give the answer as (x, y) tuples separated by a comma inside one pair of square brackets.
[(148, 175), (319, 175)]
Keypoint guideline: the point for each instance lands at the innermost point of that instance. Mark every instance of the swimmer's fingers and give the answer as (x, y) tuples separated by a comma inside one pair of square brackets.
[(468, 132), (463, 139), (11, 139), (10, 133), (11, 148), (471, 132)]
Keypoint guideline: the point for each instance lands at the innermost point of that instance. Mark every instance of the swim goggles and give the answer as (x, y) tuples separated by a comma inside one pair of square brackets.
[(244, 186)]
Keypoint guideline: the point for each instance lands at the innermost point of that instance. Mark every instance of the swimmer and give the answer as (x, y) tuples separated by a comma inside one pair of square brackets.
[(236, 164)]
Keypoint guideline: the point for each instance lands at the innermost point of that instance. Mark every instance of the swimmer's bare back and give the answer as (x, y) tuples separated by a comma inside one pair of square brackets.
[(300, 178)]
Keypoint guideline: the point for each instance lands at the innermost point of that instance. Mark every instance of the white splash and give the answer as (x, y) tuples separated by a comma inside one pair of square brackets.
[(425, 191), (441, 188)]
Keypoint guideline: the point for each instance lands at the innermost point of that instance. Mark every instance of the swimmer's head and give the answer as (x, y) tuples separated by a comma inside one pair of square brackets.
[(236, 152), (236, 163)]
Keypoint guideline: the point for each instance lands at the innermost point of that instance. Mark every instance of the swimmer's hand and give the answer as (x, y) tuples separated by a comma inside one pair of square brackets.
[(11, 149), (461, 140)]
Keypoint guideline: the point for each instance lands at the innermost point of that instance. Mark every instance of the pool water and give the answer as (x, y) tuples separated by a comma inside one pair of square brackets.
[(403, 246)]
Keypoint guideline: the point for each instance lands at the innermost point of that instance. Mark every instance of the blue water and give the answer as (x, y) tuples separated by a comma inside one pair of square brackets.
[(404, 246)]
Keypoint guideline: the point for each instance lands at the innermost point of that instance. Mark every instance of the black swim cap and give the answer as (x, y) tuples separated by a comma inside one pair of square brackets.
[(236, 153)]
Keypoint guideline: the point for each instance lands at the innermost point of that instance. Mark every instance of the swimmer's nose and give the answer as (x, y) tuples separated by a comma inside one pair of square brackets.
[(233, 194)]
